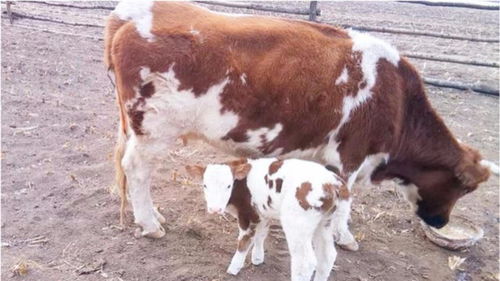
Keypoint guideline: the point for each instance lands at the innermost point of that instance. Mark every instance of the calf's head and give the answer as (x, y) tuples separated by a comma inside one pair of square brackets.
[(218, 181), (433, 190)]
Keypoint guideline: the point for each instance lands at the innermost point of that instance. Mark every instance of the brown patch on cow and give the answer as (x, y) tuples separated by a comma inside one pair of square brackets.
[(269, 201), (279, 185), (271, 184), (147, 90), (245, 240), (275, 166), (302, 193), (136, 116)]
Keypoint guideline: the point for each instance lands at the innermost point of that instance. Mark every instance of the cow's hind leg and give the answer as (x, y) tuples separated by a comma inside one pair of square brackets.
[(138, 166), (343, 236)]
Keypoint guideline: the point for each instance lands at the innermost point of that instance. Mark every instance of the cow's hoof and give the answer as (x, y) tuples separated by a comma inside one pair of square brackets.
[(158, 215), (352, 246), (155, 234)]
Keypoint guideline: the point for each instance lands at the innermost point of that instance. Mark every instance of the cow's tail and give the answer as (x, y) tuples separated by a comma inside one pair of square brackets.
[(120, 185), (113, 24)]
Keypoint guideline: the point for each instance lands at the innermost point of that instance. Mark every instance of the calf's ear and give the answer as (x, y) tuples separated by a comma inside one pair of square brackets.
[(241, 171), (195, 171)]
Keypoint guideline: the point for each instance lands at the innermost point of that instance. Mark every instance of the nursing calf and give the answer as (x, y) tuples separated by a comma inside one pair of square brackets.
[(311, 203)]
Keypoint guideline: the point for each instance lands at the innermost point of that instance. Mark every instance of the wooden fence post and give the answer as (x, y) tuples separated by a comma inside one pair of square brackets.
[(9, 11), (313, 10)]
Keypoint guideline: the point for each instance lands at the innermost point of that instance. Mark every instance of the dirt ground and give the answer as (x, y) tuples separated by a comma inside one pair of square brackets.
[(58, 131)]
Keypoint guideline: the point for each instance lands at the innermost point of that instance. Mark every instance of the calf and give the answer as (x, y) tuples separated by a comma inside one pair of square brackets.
[(311, 203)]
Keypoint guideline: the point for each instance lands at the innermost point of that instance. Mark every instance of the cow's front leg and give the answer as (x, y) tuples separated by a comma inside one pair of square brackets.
[(245, 242), (343, 236), (138, 167)]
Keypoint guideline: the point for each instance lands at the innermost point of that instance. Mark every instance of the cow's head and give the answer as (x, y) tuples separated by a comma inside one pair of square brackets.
[(218, 181), (433, 190)]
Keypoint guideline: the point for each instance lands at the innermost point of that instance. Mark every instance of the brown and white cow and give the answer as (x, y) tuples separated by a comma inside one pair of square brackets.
[(262, 86)]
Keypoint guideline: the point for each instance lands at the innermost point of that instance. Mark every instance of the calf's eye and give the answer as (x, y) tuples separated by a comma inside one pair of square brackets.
[(204, 186), (229, 186)]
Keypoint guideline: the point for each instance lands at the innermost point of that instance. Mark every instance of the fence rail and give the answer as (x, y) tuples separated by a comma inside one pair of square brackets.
[(313, 11)]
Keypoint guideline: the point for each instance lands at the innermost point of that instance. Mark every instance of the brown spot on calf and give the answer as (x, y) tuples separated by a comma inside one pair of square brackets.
[(279, 185), (275, 166), (344, 192), (302, 193), (329, 197), (246, 239)]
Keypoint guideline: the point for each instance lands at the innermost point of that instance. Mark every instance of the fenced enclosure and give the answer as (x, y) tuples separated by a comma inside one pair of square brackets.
[(59, 127), (312, 10)]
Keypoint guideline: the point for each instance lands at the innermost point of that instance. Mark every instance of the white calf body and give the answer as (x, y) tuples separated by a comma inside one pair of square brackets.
[(311, 202)]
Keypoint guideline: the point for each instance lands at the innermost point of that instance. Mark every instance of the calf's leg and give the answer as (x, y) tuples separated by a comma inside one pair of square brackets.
[(260, 236), (324, 249), (299, 233), (245, 241)]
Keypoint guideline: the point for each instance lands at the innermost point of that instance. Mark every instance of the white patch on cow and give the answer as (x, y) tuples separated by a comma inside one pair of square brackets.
[(243, 78), (410, 193), (144, 73), (182, 112), (372, 50), (370, 163), (139, 12), (306, 154), (217, 186), (264, 135), (343, 78)]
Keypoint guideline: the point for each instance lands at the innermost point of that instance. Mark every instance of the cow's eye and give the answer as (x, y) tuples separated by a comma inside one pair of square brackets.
[(204, 186), (229, 186)]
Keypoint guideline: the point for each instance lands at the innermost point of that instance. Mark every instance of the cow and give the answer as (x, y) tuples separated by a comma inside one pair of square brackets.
[(257, 86), (309, 200)]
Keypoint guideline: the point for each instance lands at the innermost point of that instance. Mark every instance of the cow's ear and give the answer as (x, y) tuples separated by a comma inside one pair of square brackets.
[(196, 171), (469, 171), (241, 171)]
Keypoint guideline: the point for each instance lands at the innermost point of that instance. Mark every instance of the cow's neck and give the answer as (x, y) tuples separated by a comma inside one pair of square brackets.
[(425, 138)]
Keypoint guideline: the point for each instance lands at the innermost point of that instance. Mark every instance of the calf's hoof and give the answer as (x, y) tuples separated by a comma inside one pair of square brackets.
[(257, 260), (233, 270), (351, 246), (154, 234)]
